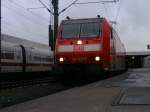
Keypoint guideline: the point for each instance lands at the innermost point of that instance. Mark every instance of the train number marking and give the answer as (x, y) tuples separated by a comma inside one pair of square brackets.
[(78, 47)]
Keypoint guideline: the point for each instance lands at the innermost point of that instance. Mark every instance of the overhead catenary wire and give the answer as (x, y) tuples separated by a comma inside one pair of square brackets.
[(24, 35), (46, 7), (106, 11), (108, 1), (26, 9), (96, 2), (118, 10), (74, 2), (63, 10), (51, 20), (117, 14), (114, 21), (18, 30), (35, 8), (23, 15), (14, 27)]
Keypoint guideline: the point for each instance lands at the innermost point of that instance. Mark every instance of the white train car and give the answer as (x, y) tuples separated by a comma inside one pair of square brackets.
[(21, 58), (39, 59), (146, 63), (11, 57)]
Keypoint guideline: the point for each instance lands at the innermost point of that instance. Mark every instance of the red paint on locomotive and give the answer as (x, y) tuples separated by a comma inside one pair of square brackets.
[(100, 49)]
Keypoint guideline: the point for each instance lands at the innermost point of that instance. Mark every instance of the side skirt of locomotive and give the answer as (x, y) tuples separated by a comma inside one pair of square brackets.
[(80, 72), (84, 72)]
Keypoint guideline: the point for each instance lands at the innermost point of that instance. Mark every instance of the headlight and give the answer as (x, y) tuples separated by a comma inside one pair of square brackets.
[(97, 58), (61, 59), (79, 42)]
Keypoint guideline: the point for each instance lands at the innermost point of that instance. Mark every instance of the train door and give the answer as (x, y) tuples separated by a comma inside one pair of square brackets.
[(30, 59), (23, 58), (18, 58)]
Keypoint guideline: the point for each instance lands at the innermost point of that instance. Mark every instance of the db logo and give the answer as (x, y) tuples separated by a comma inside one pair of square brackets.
[(78, 48)]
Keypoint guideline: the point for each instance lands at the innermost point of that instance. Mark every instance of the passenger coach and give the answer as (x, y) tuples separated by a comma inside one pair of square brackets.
[(16, 58)]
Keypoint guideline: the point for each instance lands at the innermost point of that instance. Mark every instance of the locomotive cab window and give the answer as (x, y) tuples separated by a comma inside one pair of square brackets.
[(76, 30), (70, 30), (90, 30)]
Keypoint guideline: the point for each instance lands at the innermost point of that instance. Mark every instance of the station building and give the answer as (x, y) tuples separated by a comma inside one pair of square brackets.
[(138, 59)]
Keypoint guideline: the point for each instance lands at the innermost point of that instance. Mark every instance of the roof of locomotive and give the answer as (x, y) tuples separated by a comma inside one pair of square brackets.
[(84, 20)]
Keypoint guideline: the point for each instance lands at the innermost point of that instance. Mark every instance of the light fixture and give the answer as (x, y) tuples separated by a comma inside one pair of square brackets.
[(68, 18), (98, 16), (79, 42), (97, 58), (61, 59), (106, 68)]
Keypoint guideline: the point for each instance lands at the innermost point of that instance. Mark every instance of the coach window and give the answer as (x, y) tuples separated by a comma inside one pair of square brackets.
[(7, 55), (36, 58), (43, 59), (50, 59), (30, 57), (3, 55), (18, 56)]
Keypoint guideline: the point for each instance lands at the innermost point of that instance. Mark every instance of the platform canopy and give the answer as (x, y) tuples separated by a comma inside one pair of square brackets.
[(138, 53)]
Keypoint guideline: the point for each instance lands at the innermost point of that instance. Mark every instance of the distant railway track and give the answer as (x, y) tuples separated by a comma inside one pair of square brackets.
[(28, 82)]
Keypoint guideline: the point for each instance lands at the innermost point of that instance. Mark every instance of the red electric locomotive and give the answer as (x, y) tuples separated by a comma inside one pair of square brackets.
[(90, 44)]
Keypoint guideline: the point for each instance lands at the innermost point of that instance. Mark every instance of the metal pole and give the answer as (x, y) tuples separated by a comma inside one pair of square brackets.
[(51, 37), (50, 27), (56, 15), (0, 47)]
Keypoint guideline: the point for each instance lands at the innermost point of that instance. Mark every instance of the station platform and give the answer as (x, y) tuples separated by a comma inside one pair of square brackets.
[(128, 92)]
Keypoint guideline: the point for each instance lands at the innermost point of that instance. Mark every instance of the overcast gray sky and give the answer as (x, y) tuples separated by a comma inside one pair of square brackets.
[(132, 16)]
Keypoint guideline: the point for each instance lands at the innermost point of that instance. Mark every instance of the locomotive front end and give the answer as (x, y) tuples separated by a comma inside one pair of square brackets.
[(82, 51), (79, 44)]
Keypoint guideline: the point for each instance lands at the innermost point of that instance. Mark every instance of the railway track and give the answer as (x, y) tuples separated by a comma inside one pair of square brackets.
[(28, 82)]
